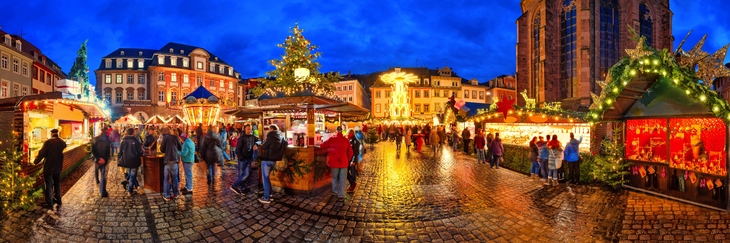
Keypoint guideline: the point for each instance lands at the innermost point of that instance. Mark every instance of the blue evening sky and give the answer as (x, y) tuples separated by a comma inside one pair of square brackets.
[(475, 38)]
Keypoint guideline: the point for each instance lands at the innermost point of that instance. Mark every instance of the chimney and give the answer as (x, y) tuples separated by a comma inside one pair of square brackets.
[(348, 73)]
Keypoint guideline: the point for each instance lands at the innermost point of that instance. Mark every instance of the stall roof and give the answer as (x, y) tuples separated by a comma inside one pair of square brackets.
[(300, 104), (475, 107), (91, 109)]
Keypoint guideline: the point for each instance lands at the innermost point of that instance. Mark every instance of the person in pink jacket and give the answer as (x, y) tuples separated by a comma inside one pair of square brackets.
[(338, 158)]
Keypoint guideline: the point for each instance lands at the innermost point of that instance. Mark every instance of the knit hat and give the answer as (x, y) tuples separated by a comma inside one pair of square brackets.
[(184, 136)]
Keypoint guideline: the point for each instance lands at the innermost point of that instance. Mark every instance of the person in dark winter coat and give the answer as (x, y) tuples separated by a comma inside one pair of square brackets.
[(246, 144), (273, 150), (199, 136), (352, 168), (497, 149), (466, 137), (130, 157), (101, 149), (171, 146), (211, 150), (52, 152)]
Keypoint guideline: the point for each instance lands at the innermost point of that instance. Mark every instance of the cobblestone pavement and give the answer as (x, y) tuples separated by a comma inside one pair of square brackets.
[(401, 197)]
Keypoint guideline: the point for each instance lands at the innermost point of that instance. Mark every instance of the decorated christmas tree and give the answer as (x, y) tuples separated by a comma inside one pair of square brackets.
[(297, 70), (610, 166), (80, 70), (16, 187)]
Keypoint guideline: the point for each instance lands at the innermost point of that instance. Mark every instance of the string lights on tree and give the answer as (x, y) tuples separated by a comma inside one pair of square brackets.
[(297, 70)]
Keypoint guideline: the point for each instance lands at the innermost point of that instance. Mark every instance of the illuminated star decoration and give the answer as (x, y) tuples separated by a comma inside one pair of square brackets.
[(640, 51), (597, 100), (694, 56), (712, 67), (504, 106)]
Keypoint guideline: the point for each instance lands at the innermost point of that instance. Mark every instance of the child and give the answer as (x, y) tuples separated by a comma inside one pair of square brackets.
[(233, 142)]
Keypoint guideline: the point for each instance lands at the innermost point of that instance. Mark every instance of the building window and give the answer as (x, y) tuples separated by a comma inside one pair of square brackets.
[(200, 80), (16, 65), (108, 96), (501, 97), (173, 95), (119, 63), (140, 94), (48, 78), (536, 55), (609, 35), (230, 71), (130, 78), (426, 81), (25, 69), (417, 93), (509, 97), (108, 63), (161, 60), (185, 62), (473, 94), (173, 77), (185, 78), (436, 93), (5, 88), (107, 78), (481, 95), (466, 94), (130, 95), (350, 88), (646, 23), (200, 65), (387, 94), (221, 84), (130, 63), (119, 78), (425, 107), (173, 61), (212, 68), (418, 107), (161, 96), (377, 94), (140, 79), (567, 49), (220, 69), (161, 76), (339, 88), (230, 85), (140, 64), (377, 108), (212, 83), (426, 94), (350, 98), (119, 97)]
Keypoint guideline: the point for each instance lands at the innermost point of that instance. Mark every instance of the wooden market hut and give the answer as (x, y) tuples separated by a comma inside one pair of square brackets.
[(312, 108)]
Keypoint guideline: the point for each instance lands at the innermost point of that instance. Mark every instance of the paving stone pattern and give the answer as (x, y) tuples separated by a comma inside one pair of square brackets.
[(401, 197)]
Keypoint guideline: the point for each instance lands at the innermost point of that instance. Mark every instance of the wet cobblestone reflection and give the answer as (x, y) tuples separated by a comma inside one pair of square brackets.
[(401, 197)]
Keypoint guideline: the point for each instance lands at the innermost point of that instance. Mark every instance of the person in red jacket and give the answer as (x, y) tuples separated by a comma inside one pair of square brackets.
[(479, 142), (338, 158)]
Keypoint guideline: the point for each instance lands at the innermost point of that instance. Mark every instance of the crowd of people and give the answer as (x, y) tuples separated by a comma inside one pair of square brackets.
[(546, 154)]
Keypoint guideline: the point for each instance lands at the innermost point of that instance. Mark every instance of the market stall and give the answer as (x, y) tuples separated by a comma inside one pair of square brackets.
[(302, 120), (675, 128), (33, 117)]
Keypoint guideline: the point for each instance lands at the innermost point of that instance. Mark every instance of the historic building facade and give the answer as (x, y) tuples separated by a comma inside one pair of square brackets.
[(429, 94), (15, 67), (501, 88), (146, 82), (564, 46), (351, 90)]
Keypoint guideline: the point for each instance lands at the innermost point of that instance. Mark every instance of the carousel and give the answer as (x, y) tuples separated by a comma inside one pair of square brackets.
[(201, 107)]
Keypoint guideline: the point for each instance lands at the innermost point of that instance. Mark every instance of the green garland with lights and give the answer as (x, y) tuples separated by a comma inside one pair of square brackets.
[(525, 112), (660, 63)]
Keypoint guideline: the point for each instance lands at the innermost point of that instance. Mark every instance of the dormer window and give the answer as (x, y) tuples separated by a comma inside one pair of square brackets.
[(212, 68), (130, 63), (121, 53), (161, 60), (171, 50), (185, 62), (220, 69), (140, 53), (173, 61), (140, 63), (230, 71), (182, 52), (119, 63), (35, 55), (108, 63), (7, 39), (18, 44)]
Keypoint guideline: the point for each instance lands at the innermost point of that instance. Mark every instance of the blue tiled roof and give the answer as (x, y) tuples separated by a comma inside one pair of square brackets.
[(200, 93), (131, 53), (176, 47), (474, 107)]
